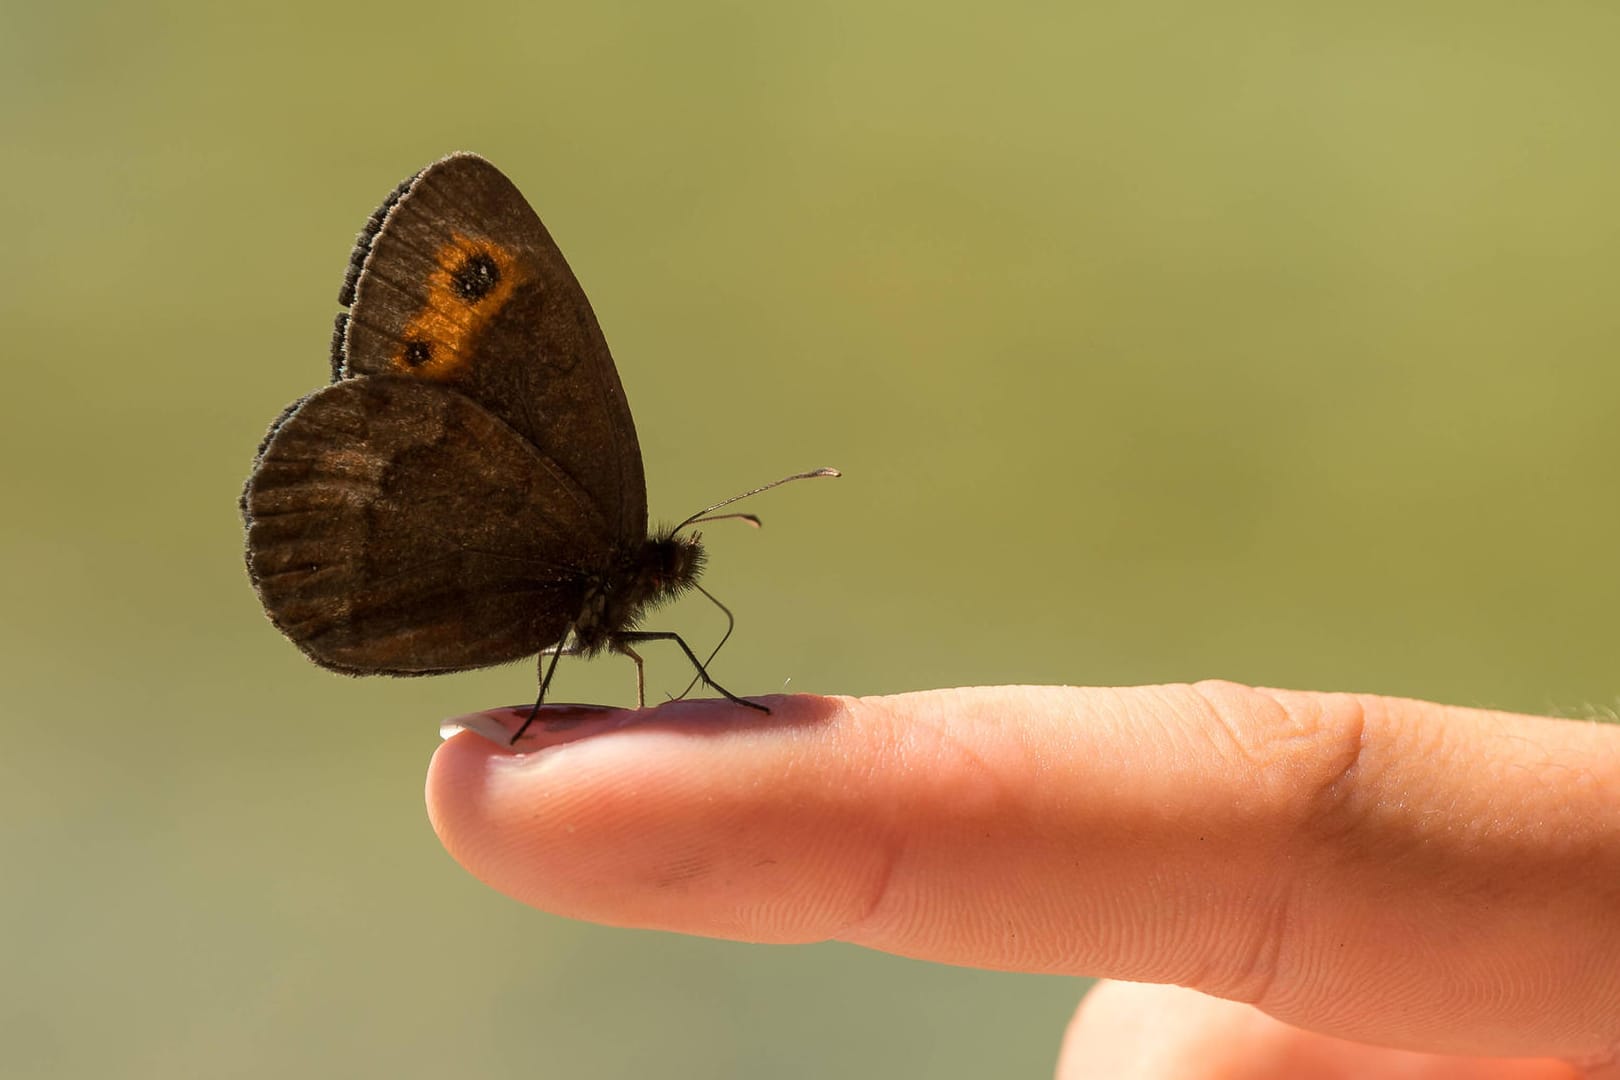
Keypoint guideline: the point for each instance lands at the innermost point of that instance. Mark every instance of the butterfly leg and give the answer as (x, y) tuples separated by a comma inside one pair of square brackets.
[(545, 671), (731, 624), (641, 675), (620, 640)]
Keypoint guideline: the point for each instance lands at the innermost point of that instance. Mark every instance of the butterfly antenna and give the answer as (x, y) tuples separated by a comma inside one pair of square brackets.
[(731, 624), (752, 519), (703, 515)]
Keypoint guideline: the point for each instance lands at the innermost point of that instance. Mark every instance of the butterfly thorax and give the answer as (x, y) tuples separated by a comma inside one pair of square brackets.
[(660, 570)]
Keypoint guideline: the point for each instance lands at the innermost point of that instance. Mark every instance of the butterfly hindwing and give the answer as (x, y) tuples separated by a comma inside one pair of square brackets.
[(395, 526)]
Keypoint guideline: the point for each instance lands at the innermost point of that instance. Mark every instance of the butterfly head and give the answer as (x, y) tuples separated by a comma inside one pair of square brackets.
[(670, 564)]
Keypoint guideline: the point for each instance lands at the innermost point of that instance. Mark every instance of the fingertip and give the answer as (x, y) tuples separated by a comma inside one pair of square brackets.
[(611, 813)]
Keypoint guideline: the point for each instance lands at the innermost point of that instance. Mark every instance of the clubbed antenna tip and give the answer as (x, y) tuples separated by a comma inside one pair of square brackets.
[(703, 515)]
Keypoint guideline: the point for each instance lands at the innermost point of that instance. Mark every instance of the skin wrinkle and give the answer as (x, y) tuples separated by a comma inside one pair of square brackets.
[(1234, 739), (1251, 972), (1335, 810), (1260, 967), (1388, 822), (986, 790), (891, 843), (1606, 1059), (1332, 797), (1288, 732)]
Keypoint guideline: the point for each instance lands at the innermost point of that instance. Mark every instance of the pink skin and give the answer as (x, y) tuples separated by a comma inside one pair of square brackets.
[(1349, 873)]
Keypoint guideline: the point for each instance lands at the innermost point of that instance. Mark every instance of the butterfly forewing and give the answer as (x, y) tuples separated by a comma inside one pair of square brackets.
[(462, 286)]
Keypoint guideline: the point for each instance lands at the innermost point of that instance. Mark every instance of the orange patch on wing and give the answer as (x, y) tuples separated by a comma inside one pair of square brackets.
[(437, 341)]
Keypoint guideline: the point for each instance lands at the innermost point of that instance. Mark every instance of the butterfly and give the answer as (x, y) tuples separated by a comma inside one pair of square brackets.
[(468, 490)]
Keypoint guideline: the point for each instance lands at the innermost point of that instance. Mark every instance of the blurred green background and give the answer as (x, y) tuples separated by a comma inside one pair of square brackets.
[(1156, 342)]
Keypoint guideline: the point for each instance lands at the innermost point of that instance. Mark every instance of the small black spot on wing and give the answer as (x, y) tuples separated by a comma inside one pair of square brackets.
[(476, 277), (418, 352)]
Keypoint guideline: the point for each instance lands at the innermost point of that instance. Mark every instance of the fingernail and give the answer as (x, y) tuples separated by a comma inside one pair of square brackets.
[(553, 724)]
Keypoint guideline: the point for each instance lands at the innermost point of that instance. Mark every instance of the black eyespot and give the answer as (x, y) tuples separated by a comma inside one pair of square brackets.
[(418, 353), (476, 278)]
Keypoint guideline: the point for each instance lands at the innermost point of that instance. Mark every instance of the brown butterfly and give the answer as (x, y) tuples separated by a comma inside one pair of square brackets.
[(468, 490)]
